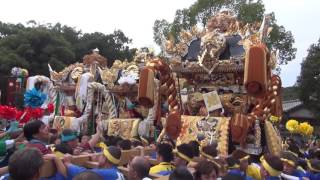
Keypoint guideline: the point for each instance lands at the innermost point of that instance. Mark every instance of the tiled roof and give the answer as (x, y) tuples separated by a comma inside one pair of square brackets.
[(288, 105)]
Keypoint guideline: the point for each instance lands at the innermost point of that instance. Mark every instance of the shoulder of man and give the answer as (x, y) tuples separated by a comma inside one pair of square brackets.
[(110, 173), (4, 177)]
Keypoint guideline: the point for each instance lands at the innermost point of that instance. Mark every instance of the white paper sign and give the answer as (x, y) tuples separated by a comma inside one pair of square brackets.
[(184, 98), (212, 101)]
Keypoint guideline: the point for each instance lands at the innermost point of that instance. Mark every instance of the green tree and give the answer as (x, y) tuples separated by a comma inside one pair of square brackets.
[(34, 49), (202, 10), (247, 11), (9, 29), (161, 31), (35, 45), (112, 46), (309, 79), (282, 40), (290, 93)]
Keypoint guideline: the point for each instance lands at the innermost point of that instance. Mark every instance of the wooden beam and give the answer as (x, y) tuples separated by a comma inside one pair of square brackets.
[(91, 165), (128, 155), (148, 151), (49, 169), (161, 178)]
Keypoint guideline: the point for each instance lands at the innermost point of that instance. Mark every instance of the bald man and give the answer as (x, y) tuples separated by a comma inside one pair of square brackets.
[(139, 169)]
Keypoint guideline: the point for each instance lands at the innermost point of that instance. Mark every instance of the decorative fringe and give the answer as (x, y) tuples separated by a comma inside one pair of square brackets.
[(223, 138), (92, 87), (276, 107), (273, 139), (173, 123), (110, 105), (257, 134), (239, 128)]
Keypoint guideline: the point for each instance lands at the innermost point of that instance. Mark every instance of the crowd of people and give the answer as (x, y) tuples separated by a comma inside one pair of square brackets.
[(24, 156)]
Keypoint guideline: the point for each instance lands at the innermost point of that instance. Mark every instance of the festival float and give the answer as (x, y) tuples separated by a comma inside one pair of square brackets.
[(85, 91), (228, 93), (214, 85)]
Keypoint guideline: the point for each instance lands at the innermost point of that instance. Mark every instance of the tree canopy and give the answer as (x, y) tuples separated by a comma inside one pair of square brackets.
[(247, 11), (309, 79), (290, 93), (35, 45)]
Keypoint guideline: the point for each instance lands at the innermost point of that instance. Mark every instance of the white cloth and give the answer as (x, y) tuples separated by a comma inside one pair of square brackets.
[(33, 79), (9, 143), (127, 79), (30, 82), (288, 177), (82, 89), (120, 176), (146, 178), (256, 165), (45, 89), (47, 119)]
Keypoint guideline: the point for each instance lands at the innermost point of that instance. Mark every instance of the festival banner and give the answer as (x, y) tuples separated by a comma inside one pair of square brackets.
[(212, 101)]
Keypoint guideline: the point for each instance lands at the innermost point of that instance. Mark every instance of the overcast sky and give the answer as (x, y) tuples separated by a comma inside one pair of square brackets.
[(136, 18)]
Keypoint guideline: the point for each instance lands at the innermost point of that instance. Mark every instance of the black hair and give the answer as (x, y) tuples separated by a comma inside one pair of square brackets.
[(186, 149), (32, 128), (314, 153), (108, 141), (211, 150), (112, 140), (81, 134), (169, 141), (117, 139), (165, 151), (53, 138), (136, 143), (293, 147), (124, 144), (115, 152), (274, 161), (195, 148), (25, 164), (290, 156), (88, 175), (239, 154), (314, 163), (205, 167), (254, 159), (303, 163), (231, 161), (38, 85), (204, 90), (181, 173), (64, 148)]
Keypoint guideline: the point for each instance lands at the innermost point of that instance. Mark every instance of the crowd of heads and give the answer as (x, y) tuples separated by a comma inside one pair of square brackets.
[(177, 161)]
